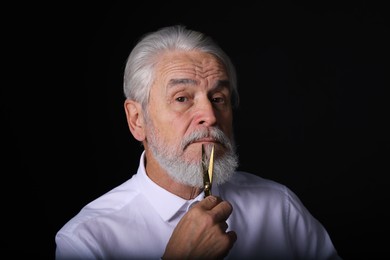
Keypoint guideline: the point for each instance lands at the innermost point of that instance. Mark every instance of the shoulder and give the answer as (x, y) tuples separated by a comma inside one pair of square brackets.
[(109, 203), (242, 179), (245, 185)]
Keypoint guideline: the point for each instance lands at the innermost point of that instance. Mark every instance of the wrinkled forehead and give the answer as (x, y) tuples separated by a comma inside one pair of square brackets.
[(194, 65)]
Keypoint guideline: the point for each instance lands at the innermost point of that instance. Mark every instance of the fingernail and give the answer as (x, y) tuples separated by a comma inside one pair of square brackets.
[(212, 198)]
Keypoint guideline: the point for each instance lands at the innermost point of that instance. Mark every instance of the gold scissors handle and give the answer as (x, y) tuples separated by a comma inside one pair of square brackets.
[(207, 171)]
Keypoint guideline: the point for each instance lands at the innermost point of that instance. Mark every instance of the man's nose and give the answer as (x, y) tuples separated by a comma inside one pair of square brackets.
[(206, 113)]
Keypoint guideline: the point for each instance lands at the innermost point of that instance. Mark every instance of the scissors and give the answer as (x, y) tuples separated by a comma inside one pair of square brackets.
[(207, 171)]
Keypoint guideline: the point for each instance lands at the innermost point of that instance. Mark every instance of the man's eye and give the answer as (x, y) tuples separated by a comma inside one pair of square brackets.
[(218, 100), (181, 99)]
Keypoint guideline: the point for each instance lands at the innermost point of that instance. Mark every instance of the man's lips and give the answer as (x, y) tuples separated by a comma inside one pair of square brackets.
[(205, 140), (202, 140)]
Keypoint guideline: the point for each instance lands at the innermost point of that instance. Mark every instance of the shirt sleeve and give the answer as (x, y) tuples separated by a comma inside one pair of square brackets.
[(71, 247), (309, 236)]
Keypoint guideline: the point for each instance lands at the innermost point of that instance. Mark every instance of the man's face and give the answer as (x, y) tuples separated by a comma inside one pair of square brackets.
[(190, 105)]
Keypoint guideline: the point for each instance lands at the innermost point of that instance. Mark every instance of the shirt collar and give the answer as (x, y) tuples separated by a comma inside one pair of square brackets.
[(164, 202)]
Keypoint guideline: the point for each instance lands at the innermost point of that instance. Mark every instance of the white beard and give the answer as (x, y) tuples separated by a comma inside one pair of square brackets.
[(191, 173)]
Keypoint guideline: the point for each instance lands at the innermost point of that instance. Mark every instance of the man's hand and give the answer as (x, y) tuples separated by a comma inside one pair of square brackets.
[(201, 233)]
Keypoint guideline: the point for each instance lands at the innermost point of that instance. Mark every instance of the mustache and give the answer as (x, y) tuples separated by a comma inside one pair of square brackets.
[(214, 133)]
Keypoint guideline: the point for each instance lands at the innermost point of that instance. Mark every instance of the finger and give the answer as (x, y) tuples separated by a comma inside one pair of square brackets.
[(209, 202), (232, 237), (222, 211), (223, 226)]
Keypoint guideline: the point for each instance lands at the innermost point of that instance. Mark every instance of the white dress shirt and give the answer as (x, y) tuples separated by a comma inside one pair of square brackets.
[(136, 219)]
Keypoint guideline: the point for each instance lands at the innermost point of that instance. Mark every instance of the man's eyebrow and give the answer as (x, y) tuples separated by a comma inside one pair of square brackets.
[(223, 83)]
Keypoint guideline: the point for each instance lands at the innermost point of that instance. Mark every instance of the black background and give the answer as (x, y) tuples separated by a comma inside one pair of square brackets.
[(313, 114)]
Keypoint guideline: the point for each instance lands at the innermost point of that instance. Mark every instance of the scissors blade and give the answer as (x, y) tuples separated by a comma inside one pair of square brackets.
[(211, 165), (207, 170)]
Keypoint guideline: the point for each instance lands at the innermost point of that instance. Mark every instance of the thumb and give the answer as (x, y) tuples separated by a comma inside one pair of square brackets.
[(209, 202)]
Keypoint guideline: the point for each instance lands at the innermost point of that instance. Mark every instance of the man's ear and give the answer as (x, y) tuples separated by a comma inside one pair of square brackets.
[(135, 119)]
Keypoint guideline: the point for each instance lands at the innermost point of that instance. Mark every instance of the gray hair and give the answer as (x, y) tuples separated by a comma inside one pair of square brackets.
[(139, 70)]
